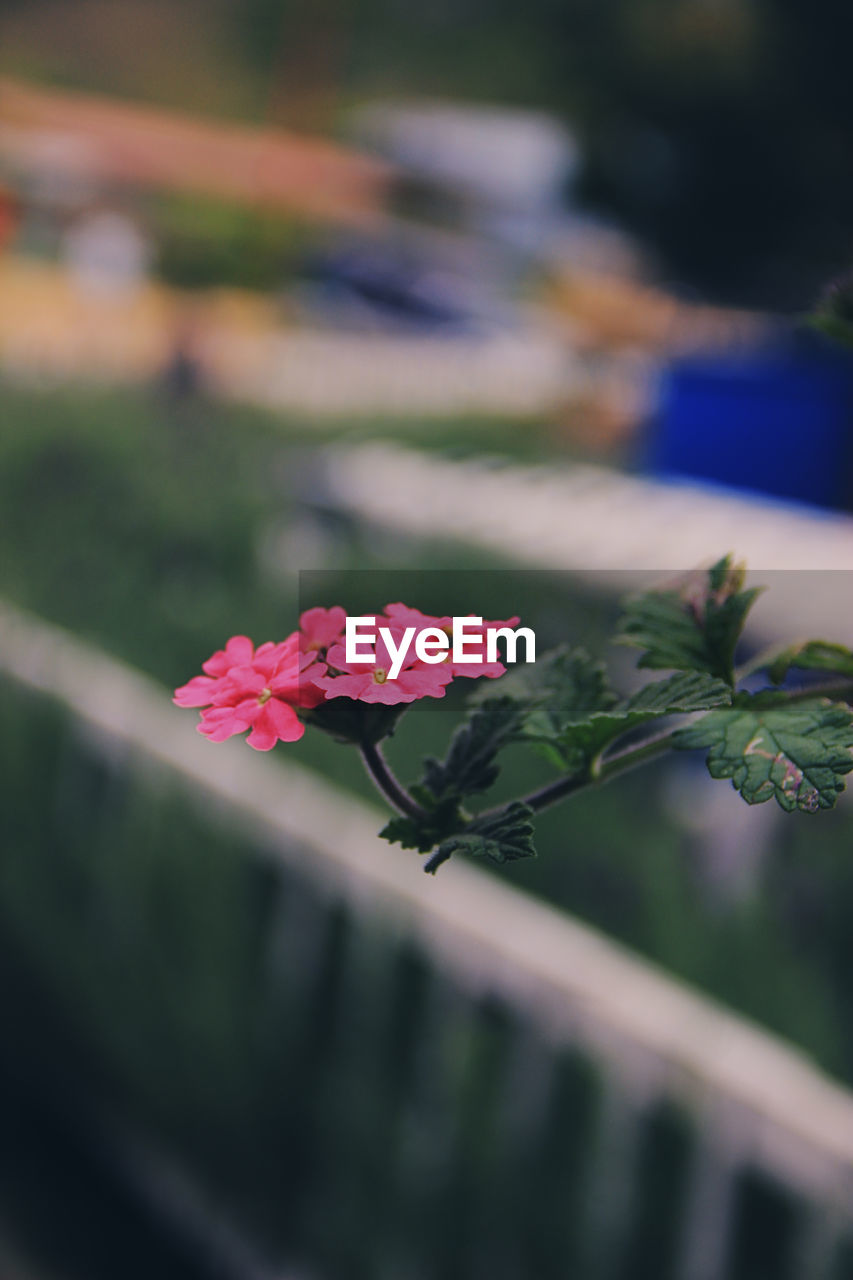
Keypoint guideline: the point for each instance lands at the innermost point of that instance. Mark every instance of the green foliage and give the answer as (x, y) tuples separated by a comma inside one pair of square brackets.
[(571, 713), (812, 655), (470, 765), (798, 749), (797, 752), (576, 745), (696, 625), (533, 705), (439, 820), (563, 686), (566, 690), (692, 691), (137, 522), (505, 836)]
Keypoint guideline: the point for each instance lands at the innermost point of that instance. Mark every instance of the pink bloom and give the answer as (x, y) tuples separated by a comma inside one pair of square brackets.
[(321, 627), (369, 681), (254, 689), (403, 616), (198, 692), (318, 629)]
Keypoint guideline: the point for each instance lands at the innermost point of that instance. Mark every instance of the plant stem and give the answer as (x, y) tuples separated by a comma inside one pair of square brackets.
[(394, 792), (629, 757), (610, 766), (841, 688), (759, 662), (619, 762)]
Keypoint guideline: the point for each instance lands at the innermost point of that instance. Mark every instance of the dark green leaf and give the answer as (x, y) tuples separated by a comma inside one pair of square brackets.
[(567, 685), (575, 746), (503, 837), (812, 655), (578, 745), (406, 832), (471, 765), (424, 833), (690, 691), (694, 625), (797, 752), (564, 689)]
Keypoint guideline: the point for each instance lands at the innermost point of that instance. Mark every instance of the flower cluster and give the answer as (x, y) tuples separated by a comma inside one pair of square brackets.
[(265, 689)]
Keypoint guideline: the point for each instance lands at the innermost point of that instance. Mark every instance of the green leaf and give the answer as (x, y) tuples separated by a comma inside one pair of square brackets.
[(506, 836), (423, 834), (812, 655), (579, 745), (566, 685), (797, 752), (690, 691), (574, 747), (693, 625), (471, 765), (406, 832), (564, 688)]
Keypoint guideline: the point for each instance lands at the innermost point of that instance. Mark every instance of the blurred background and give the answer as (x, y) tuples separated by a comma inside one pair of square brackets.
[(524, 292)]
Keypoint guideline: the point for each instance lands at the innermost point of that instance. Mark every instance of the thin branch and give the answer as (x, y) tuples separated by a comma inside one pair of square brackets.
[(607, 767), (763, 659), (841, 688), (551, 793), (619, 762), (397, 795)]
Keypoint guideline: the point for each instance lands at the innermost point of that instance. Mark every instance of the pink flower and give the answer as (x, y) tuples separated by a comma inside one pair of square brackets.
[(369, 681), (321, 627), (254, 689), (318, 628), (198, 692), (401, 615), (259, 690)]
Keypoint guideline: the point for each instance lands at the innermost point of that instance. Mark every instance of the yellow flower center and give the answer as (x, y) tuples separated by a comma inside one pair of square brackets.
[(264, 696), (380, 676)]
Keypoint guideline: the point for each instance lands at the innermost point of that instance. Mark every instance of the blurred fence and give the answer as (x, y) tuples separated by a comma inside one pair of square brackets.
[(608, 525), (368, 1073)]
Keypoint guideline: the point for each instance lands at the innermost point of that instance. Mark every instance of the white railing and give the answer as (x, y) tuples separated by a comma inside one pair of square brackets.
[(610, 527)]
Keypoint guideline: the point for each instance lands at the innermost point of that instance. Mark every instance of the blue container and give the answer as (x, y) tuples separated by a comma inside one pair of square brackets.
[(776, 423)]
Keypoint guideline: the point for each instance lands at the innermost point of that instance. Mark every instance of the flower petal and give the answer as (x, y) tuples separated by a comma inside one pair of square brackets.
[(237, 652), (424, 682), (240, 683), (197, 692), (219, 723), (277, 722), (321, 627), (346, 686)]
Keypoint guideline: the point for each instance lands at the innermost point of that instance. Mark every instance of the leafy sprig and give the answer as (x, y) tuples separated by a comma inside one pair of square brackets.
[(791, 744)]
